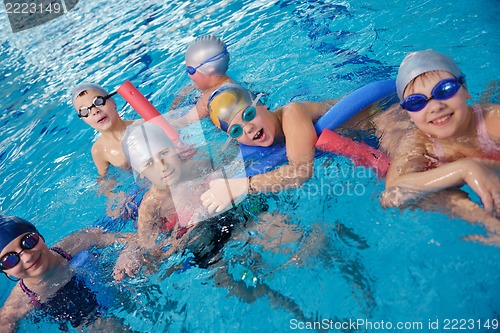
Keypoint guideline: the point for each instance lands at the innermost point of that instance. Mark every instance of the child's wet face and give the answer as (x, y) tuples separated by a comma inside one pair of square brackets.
[(440, 118), (257, 132), (32, 262), (101, 118), (164, 169)]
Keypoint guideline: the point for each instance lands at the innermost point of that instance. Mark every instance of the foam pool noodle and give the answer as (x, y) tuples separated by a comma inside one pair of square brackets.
[(147, 111), (360, 153)]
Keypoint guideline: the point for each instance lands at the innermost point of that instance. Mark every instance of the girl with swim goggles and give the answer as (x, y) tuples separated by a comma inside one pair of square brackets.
[(453, 143), (443, 90), (48, 277)]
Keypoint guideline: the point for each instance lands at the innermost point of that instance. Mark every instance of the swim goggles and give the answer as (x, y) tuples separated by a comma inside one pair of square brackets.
[(191, 70), (98, 102), (236, 130), (11, 259), (443, 90)]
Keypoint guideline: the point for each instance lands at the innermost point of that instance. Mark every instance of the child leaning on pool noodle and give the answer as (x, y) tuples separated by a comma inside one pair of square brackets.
[(449, 142)]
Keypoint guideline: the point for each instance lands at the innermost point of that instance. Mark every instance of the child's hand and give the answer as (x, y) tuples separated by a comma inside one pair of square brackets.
[(485, 183), (223, 193), (128, 263)]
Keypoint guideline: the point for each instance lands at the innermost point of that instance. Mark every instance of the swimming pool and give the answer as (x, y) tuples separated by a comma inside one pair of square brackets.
[(354, 260)]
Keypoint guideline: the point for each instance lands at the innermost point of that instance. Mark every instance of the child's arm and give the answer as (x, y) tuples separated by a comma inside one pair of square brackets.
[(88, 238), (101, 163), (480, 178), (15, 307), (186, 90)]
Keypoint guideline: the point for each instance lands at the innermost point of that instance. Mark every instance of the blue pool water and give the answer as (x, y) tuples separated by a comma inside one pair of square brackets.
[(351, 259)]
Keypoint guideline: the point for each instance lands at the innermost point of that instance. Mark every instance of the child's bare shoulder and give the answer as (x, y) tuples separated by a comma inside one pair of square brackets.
[(492, 119)]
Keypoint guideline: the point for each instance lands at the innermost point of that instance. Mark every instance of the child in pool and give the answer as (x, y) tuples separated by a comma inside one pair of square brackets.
[(237, 111), (170, 205), (98, 109), (207, 60), (46, 280), (171, 211), (450, 143)]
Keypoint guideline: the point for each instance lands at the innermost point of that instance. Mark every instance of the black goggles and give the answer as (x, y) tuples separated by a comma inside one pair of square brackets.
[(97, 102), (11, 259)]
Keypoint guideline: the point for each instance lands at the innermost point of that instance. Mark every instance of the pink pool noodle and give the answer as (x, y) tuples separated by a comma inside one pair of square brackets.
[(360, 153), (147, 111)]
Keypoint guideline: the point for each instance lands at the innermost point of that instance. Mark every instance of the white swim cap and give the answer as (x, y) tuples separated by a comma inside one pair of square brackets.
[(202, 49), (142, 140), (420, 62), (84, 87)]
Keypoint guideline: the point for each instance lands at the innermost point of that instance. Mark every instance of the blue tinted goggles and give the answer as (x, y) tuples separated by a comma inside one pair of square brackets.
[(236, 130), (191, 70), (443, 90)]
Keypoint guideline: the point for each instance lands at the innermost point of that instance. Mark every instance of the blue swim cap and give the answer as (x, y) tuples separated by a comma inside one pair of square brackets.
[(84, 87), (12, 227)]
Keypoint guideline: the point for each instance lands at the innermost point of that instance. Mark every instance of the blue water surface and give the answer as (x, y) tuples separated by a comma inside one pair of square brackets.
[(347, 259)]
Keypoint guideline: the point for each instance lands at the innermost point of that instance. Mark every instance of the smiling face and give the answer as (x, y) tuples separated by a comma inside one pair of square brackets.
[(101, 118), (163, 169), (260, 131), (440, 118), (33, 263)]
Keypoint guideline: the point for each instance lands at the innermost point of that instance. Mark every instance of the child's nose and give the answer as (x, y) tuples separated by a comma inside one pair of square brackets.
[(434, 105), (248, 128), (26, 256), (95, 110)]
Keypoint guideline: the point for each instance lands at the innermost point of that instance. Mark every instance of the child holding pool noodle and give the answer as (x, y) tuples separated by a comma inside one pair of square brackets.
[(238, 112), (438, 142)]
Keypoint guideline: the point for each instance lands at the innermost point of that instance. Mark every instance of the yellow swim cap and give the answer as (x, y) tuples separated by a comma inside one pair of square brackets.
[(226, 102)]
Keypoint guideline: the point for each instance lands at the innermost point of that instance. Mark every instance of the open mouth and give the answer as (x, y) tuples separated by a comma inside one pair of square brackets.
[(441, 120), (259, 134), (102, 119)]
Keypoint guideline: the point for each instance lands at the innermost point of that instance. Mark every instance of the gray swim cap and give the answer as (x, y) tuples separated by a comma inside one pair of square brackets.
[(12, 227), (86, 86), (420, 62), (202, 49), (142, 141)]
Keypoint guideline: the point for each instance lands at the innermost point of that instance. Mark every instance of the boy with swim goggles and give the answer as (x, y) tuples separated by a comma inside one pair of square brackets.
[(207, 61), (47, 277), (98, 102)]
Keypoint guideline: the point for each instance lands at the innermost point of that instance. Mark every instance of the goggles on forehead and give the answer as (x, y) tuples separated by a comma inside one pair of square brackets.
[(191, 70), (443, 90), (236, 130), (11, 259), (97, 102)]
